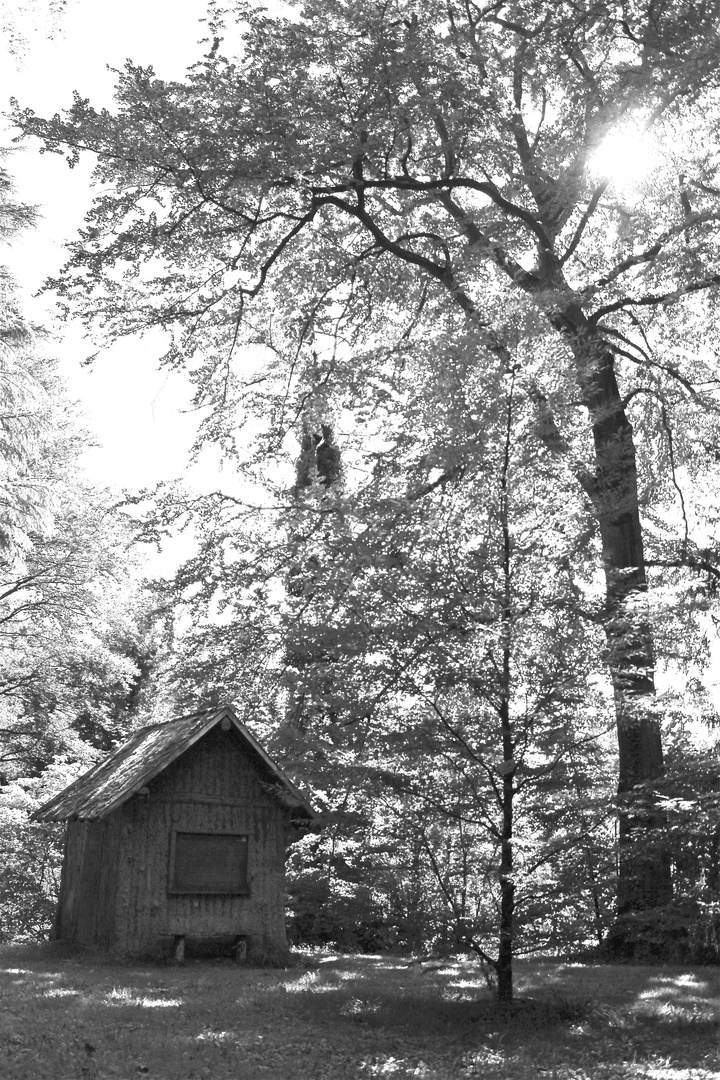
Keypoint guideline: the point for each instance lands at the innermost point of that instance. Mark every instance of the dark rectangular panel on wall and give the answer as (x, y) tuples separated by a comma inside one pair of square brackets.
[(208, 863)]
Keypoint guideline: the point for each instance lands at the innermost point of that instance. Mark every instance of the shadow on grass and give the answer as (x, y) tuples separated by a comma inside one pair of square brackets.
[(569, 1015), (351, 1017)]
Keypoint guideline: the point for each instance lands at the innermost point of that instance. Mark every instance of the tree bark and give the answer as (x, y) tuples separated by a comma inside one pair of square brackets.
[(507, 882), (507, 892), (644, 873), (644, 876)]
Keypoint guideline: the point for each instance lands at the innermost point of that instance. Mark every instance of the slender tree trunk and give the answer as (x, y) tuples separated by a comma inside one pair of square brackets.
[(589, 857), (507, 884), (644, 877), (507, 898)]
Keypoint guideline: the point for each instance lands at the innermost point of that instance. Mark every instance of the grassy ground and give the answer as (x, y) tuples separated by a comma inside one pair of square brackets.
[(352, 1018)]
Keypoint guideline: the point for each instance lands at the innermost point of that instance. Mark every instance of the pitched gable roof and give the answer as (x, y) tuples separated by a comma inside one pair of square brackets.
[(111, 782)]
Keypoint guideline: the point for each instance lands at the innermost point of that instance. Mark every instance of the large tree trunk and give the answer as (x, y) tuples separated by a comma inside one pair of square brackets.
[(644, 875), (644, 872)]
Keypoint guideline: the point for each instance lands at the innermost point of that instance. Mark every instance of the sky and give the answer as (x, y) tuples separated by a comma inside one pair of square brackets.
[(137, 414)]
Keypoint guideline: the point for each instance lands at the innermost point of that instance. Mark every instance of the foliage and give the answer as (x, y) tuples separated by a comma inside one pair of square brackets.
[(382, 664), (70, 687), (68, 617), (402, 212), (31, 853), (76, 637)]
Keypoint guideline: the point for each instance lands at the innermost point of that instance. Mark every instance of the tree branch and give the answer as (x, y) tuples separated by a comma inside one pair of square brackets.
[(650, 253), (653, 300), (584, 220)]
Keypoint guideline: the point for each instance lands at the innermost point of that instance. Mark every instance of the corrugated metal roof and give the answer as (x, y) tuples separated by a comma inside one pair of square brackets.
[(114, 780)]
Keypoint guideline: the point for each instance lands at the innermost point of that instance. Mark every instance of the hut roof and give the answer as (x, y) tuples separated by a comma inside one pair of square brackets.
[(112, 781)]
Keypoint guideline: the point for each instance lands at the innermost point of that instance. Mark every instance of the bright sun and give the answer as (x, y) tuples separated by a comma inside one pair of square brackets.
[(625, 158)]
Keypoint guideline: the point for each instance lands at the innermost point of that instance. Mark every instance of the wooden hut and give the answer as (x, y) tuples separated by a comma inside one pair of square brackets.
[(179, 833)]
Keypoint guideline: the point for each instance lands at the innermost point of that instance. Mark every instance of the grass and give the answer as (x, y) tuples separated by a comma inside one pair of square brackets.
[(351, 1018)]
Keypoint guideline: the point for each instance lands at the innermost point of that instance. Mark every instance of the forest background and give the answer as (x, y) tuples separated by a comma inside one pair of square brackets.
[(443, 283)]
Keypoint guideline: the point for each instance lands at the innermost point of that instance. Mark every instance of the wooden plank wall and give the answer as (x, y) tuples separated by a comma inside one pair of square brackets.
[(213, 787), (87, 890), (71, 880)]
